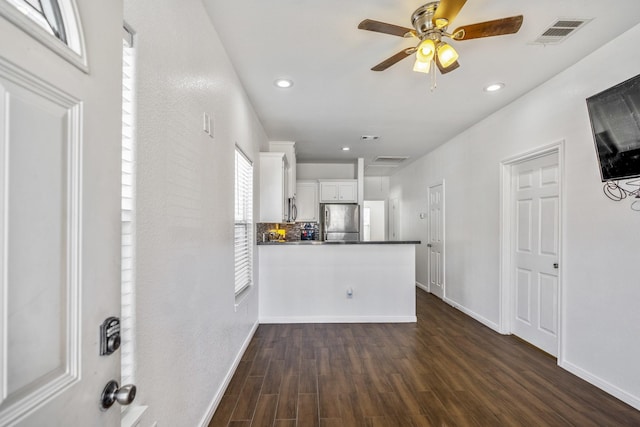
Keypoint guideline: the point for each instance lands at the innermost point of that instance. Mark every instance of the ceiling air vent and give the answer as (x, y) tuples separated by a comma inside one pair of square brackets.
[(369, 137), (389, 160), (560, 30)]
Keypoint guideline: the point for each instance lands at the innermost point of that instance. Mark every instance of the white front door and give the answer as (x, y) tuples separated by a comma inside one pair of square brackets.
[(60, 191), (435, 240), (536, 241)]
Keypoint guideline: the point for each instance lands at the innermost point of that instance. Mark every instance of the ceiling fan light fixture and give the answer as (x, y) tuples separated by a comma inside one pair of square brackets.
[(447, 55), (424, 56), (421, 66), (426, 50)]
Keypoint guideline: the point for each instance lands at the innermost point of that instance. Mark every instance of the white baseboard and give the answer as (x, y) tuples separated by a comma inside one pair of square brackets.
[(339, 319), (488, 323), (627, 398), (223, 387), (423, 287)]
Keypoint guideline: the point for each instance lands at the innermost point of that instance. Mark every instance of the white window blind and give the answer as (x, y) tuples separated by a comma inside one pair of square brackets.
[(127, 316), (243, 243)]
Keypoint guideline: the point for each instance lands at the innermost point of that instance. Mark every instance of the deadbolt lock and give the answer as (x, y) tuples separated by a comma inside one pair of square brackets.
[(109, 336)]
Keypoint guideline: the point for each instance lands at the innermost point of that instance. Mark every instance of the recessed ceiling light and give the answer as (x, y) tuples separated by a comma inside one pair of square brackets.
[(346, 148), (283, 83), (494, 87)]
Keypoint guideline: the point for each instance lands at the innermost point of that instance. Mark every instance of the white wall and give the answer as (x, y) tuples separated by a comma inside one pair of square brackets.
[(376, 187), (601, 238), (326, 171), (189, 333)]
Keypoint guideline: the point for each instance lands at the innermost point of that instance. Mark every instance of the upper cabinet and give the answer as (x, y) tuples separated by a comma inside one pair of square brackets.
[(273, 187), (307, 201), (345, 191), (289, 150)]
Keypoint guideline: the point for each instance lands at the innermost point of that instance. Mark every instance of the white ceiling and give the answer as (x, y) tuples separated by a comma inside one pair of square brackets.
[(336, 98)]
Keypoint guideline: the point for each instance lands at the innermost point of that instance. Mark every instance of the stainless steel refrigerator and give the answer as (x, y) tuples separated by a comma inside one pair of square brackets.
[(341, 222)]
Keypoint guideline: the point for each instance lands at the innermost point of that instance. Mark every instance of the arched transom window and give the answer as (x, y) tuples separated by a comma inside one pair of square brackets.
[(54, 23)]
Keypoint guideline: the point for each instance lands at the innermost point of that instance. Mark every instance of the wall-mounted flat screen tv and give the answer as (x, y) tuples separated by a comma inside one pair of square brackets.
[(615, 122)]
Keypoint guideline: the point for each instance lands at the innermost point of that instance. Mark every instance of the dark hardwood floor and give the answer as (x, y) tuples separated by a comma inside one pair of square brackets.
[(447, 369)]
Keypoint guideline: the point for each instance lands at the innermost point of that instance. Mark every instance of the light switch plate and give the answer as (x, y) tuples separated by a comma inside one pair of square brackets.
[(206, 124)]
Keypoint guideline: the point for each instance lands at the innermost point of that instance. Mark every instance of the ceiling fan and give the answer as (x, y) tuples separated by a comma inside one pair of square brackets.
[(430, 23)]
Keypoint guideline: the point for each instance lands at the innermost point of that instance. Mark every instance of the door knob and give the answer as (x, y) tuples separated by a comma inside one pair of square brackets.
[(429, 245), (555, 265), (114, 393)]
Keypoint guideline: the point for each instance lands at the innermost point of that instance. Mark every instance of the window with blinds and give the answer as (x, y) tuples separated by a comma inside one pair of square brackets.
[(243, 242), (127, 316)]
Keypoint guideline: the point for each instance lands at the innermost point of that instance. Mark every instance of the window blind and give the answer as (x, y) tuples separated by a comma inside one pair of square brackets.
[(243, 233), (127, 316)]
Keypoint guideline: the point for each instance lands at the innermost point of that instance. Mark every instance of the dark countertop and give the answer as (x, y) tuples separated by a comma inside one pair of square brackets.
[(333, 242)]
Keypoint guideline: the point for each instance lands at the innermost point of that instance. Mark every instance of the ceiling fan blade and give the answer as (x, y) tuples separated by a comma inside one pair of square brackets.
[(393, 60), (446, 12), (449, 69), (496, 27), (383, 27)]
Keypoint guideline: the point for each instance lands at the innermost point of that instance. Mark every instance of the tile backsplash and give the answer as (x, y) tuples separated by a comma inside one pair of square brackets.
[(292, 231)]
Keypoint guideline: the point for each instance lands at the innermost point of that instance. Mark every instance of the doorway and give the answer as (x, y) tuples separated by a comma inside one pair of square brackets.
[(531, 230), (374, 220)]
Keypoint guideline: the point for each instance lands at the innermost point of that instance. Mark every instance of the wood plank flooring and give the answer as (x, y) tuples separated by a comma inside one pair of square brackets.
[(446, 370)]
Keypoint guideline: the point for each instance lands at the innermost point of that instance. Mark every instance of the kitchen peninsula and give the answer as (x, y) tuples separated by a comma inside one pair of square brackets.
[(337, 282)]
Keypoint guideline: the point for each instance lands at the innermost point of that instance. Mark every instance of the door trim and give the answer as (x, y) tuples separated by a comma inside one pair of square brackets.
[(506, 221)]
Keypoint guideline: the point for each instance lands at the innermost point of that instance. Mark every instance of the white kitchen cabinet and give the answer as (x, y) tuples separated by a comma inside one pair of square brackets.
[(289, 150), (273, 187), (339, 191), (307, 201)]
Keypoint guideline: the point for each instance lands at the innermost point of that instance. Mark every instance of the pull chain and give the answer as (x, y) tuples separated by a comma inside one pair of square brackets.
[(433, 75)]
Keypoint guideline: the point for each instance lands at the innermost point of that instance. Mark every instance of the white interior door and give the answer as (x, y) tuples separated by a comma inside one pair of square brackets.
[(536, 242), (60, 191), (435, 240)]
